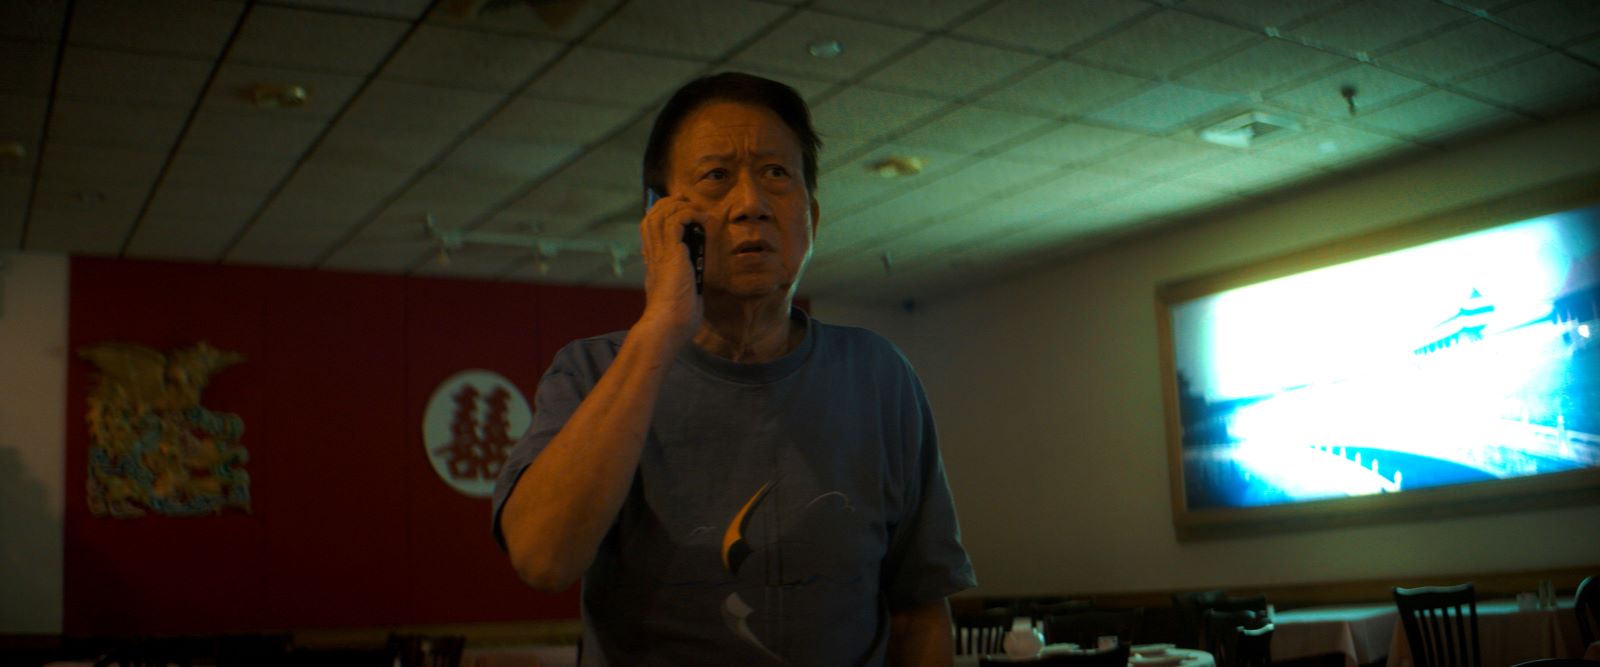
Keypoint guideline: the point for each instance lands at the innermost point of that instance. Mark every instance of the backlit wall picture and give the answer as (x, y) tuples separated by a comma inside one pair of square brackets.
[(1457, 362)]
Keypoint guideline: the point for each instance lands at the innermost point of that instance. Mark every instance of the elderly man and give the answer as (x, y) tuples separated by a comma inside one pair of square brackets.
[(736, 482)]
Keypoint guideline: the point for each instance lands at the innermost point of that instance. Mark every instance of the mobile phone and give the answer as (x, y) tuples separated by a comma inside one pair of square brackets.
[(694, 238)]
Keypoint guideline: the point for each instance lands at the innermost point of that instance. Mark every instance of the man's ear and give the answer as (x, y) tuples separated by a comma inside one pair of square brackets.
[(816, 217)]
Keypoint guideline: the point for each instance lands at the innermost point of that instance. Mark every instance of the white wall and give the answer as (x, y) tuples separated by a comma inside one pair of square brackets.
[(33, 378), (1047, 389)]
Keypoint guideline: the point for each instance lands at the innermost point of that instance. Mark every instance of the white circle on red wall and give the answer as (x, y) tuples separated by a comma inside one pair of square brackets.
[(471, 422)]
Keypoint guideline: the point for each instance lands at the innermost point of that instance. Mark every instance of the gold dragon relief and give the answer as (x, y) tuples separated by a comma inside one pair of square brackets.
[(153, 446)]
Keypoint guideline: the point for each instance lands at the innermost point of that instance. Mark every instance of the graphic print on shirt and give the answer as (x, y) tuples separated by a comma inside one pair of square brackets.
[(807, 546)]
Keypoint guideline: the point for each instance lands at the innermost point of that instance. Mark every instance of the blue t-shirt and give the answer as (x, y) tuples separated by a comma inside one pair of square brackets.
[(779, 512)]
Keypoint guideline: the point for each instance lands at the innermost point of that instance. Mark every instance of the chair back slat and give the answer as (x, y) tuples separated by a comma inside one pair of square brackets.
[(1441, 625)]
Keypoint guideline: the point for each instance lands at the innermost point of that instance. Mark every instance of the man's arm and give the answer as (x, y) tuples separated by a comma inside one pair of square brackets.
[(568, 497), (920, 636)]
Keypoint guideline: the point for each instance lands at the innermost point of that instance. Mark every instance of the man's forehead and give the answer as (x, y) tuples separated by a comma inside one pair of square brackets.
[(727, 125)]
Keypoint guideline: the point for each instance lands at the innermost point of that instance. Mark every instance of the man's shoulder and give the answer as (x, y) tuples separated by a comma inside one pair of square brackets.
[(594, 352), (842, 340)]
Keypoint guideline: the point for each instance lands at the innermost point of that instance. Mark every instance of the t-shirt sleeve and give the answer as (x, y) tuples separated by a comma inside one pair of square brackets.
[(560, 391), (926, 560)]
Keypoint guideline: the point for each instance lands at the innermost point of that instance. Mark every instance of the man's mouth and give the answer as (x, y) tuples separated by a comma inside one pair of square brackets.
[(752, 247)]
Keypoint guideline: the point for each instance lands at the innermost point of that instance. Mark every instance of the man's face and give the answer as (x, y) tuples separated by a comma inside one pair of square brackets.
[(743, 168)]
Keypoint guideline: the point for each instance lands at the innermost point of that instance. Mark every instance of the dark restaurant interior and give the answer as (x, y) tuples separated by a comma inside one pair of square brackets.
[(1249, 326)]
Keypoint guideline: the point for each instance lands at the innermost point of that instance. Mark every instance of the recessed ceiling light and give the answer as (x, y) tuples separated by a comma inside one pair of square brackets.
[(278, 95), (897, 166), (1246, 130), (825, 48)]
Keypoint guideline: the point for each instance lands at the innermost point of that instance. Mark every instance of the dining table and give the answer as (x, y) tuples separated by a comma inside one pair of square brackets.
[(1509, 634), (1362, 633), (1152, 656)]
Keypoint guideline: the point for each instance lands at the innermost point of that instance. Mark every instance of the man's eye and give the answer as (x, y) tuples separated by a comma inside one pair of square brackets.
[(776, 170), (715, 175)]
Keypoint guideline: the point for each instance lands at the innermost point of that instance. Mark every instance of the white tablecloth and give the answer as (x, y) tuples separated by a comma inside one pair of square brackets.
[(1508, 635), (1191, 657), (1362, 633)]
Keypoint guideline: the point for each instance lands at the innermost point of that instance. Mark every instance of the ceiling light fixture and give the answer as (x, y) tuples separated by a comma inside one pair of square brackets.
[(825, 48), (278, 95), (897, 166), (544, 249), (1246, 130)]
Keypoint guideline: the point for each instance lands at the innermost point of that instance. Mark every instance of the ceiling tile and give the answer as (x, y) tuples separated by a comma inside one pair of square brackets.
[(181, 239), (460, 194), (631, 80), (22, 118), (1433, 115), (1263, 67), (918, 14), (948, 68), (865, 113), (32, 21), (1244, 174), (810, 88), (534, 119), (551, 209), (854, 185), (1466, 48), (14, 193), (1543, 81), (1330, 146), (218, 133), (326, 94), (191, 28), (410, 108), (1062, 88), (1042, 25), (508, 158), (399, 9), (92, 167), (476, 261), (1072, 143), (700, 29), (357, 145), (1371, 25), (993, 177), (455, 58), (189, 202), (606, 168), (318, 41), (1162, 200), (1589, 49), (1167, 42), (27, 68), (1160, 157), (1555, 21), (253, 175), (120, 77), (1375, 88), (785, 49), (1261, 13), (297, 247), (338, 191), (972, 129), (119, 125), (560, 21), (1165, 108), (66, 231)]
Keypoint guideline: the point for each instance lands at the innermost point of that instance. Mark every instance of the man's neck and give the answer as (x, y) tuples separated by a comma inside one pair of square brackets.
[(748, 331)]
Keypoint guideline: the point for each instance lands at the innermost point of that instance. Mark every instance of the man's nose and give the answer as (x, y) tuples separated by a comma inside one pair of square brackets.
[(749, 202)]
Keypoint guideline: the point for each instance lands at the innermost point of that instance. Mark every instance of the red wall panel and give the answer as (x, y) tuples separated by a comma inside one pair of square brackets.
[(350, 525)]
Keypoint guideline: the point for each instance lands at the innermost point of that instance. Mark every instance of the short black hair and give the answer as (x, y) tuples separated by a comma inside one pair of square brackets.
[(730, 87)]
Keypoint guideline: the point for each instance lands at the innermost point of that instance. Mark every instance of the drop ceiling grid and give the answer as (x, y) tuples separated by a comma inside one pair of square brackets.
[(1420, 68)]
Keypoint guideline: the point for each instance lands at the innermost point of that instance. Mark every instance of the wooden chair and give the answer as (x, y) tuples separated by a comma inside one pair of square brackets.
[(984, 632), (1226, 641), (426, 650), (1037, 610), (1187, 608), (1587, 607), (1085, 627), (1117, 657), (1441, 624), (1253, 646)]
